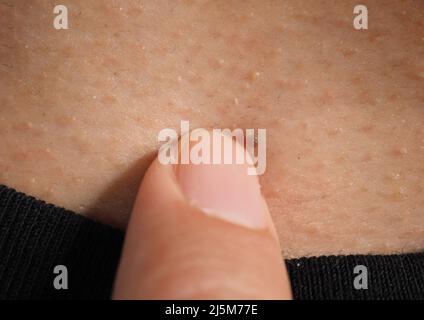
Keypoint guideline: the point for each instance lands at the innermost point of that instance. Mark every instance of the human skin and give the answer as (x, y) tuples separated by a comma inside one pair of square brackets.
[(81, 109)]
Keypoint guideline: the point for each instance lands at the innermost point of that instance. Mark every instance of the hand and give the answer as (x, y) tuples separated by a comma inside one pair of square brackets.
[(201, 232)]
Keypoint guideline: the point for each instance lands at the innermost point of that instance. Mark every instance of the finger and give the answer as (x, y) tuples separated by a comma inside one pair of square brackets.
[(201, 232)]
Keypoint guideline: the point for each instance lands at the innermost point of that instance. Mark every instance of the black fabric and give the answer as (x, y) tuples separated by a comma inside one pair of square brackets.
[(35, 237)]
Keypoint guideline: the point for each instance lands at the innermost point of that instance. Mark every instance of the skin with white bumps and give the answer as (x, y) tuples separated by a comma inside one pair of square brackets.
[(344, 109)]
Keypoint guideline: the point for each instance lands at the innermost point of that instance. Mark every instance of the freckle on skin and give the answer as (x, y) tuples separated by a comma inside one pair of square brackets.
[(23, 126), (318, 167), (393, 97), (341, 160), (294, 85), (108, 99), (348, 53), (371, 209), (387, 179), (334, 131), (64, 120), (326, 98), (20, 156), (398, 152), (393, 197), (366, 98), (215, 64), (214, 34), (367, 129), (367, 157), (299, 67), (195, 79), (305, 125), (356, 80), (391, 178), (253, 76), (81, 145)]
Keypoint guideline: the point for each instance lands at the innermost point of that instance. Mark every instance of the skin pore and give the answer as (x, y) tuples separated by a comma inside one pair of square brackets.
[(80, 109)]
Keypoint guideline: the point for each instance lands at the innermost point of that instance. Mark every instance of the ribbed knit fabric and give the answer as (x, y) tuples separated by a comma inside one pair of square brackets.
[(390, 277), (35, 237)]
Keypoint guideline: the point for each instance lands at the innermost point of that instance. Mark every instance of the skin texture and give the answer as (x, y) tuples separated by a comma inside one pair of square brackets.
[(344, 109)]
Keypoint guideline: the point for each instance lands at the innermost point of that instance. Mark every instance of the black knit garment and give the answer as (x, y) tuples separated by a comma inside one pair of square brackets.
[(35, 237)]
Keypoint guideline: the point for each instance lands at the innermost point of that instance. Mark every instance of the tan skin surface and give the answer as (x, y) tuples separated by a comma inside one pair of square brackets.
[(80, 109)]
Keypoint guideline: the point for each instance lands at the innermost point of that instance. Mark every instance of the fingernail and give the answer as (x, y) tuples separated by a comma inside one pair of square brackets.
[(225, 191)]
